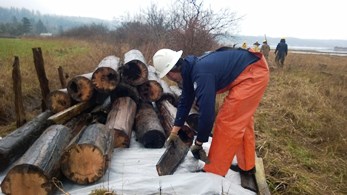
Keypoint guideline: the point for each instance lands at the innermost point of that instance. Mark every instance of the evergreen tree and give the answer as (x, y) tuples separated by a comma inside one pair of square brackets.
[(40, 27), (26, 25)]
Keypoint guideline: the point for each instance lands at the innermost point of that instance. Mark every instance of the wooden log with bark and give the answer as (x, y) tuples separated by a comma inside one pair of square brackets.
[(106, 77), (151, 90), (59, 100), (125, 90), (148, 129), (16, 143), (167, 113), (87, 158), (35, 171), (121, 120), (18, 96), (168, 94), (41, 75), (81, 88), (134, 70)]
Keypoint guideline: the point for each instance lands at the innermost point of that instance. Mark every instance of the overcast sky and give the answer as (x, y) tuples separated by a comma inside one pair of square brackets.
[(309, 19)]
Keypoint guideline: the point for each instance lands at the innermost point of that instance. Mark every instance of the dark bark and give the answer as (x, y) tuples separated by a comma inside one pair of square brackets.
[(41, 74), (125, 90), (149, 131), (16, 143), (86, 160), (18, 96), (34, 171), (121, 120)]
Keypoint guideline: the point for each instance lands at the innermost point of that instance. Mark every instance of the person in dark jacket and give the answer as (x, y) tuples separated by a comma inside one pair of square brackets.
[(245, 75), (281, 52)]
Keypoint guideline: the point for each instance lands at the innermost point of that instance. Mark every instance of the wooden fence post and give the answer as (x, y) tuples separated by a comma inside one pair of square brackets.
[(41, 74), (61, 77), (18, 96)]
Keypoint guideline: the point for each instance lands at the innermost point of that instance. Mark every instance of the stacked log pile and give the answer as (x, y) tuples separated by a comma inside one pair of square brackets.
[(95, 113)]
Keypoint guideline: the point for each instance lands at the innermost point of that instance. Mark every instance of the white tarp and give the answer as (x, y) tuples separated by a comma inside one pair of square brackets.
[(132, 171)]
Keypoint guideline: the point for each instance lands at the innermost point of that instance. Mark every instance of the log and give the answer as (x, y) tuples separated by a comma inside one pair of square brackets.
[(167, 116), (148, 129), (100, 112), (121, 120), (125, 90), (151, 90), (193, 119), (59, 100), (41, 74), (62, 78), (34, 171), (248, 182), (168, 94), (18, 96), (263, 188), (172, 158), (16, 143), (86, 160), (106, 77), (67, 114), (81, 88), (134, 71)]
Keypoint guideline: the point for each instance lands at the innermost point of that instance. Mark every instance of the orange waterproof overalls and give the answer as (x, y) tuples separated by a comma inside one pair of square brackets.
[(234, 126)]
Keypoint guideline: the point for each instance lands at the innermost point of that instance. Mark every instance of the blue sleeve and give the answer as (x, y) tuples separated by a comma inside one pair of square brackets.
[(206, 97), (185, 103)]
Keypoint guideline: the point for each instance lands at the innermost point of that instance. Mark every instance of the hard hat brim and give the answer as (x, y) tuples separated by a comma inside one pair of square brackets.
[(175, 59)]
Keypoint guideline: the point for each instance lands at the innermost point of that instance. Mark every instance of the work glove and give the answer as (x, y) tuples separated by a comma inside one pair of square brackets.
[(171, 139), (199, 153)]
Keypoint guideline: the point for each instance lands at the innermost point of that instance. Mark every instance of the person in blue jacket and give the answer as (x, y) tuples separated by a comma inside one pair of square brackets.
[(245, 75), (281, 52)]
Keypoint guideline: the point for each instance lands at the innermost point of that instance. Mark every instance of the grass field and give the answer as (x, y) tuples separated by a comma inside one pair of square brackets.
[(300, 124)]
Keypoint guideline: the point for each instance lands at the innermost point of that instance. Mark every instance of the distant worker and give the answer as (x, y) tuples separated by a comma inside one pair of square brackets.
[(256, 46), (244, 45), (281, 52), (265, 50)]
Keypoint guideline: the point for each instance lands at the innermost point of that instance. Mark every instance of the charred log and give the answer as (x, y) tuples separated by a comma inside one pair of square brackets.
[(34, 171), (149, 131), (16, 143)]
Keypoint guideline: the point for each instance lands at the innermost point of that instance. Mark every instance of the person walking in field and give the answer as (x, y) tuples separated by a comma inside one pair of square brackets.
[(256, 46), (245, 75), (265, 50), (281, 52)]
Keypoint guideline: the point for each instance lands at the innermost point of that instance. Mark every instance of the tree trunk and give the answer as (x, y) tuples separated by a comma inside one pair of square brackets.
[(167, 116), (67, 114), (18, 96), (151, 90), (34, 171), (149, 131), (134, 71), (121, 119), (59, 100), (106, 78), (41, 74), (86, 160), (16, 143), (81, 88)]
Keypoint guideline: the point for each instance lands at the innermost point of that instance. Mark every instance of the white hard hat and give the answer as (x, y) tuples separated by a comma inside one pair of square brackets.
[(164, 60)]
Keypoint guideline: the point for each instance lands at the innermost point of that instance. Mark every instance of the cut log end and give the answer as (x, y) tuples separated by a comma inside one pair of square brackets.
[(26, 179), (153, 139), (135, 72), (121, 139), (83, 164), (150, 91), (105, 79), (80, 88), (58, 101)]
